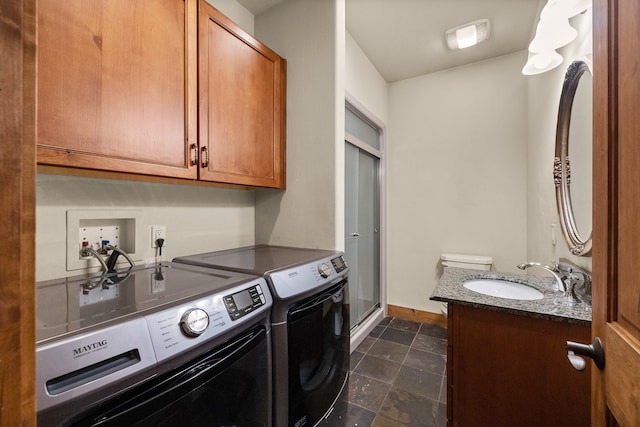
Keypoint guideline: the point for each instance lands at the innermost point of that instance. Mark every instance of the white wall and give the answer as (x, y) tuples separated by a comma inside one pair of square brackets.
[(544, 96), (236, 12), (364, 83), (307, 33), (198, 219), (457, 173)]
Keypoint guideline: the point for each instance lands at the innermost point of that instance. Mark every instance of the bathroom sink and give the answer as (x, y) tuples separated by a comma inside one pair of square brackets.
[(503, 289)]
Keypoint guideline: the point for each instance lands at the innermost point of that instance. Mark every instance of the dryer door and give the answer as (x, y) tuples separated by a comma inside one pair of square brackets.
[(318, 355)]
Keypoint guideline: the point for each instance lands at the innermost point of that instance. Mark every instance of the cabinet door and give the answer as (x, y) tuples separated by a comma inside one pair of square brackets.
[(114, 89), (506, 370), (241, 105)]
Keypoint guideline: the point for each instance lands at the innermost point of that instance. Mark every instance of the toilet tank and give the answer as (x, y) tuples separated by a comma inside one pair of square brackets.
[(475, 262)]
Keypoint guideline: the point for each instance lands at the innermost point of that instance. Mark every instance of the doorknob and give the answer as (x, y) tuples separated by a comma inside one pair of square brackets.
[(593, 351)]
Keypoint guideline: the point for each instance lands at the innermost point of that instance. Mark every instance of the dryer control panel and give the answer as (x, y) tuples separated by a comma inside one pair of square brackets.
[(244, 302), (339, 264)]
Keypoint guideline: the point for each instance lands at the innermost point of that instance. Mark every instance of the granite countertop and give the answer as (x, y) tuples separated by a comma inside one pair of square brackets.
[(553, 306)]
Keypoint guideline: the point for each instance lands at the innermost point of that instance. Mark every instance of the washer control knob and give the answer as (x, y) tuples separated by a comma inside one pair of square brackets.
[(324, 270), (194, 322)]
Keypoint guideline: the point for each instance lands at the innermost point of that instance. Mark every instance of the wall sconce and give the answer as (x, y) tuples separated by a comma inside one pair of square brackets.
[(467, 35), (541, 62), (553, 32)]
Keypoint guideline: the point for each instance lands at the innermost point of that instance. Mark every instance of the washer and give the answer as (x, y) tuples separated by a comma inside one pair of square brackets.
[(310, 330), (161, 345)]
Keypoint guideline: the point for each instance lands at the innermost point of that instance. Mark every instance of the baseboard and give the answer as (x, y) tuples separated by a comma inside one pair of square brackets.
[(417, 315)]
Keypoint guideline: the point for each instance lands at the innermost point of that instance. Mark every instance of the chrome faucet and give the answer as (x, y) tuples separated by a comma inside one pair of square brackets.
[(567, 275), (573, 275), (553, 270)]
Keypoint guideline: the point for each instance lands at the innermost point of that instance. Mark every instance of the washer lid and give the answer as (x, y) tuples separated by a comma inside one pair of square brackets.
[(258, 259), (289, 271), (78, 303)]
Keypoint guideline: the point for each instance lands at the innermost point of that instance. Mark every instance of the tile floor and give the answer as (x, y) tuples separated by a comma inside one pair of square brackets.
[(398, 376)]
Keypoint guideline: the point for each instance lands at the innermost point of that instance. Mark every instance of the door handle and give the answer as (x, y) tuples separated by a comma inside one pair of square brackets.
[(355, 234), (593, 351)]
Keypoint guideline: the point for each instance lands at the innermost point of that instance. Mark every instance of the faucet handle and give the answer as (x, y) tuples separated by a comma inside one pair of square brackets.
[(566, 265)]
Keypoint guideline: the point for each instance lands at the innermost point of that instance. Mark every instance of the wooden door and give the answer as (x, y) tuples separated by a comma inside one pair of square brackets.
[(17, 210), (241, 105), (117, 85), (616, 249)]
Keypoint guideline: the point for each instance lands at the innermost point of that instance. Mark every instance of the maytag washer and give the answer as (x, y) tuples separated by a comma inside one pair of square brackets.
[(163, 345), (310, 331)]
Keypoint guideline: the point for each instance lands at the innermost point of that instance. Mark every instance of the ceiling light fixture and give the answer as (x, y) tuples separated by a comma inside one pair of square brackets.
[(467, 35)]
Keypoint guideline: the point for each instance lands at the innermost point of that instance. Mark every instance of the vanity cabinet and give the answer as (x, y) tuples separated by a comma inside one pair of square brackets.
[(121, 88), (511, 370)]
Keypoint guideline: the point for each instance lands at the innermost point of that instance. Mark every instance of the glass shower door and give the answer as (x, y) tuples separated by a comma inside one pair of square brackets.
[(362, 236)]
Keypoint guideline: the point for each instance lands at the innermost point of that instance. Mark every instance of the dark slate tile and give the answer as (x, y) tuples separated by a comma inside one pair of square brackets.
[(366, 344), (432, 362), (433, 331), (385, 321), (382, 421), (441, 415), (389, 350), (418, 381), (357, 416), (410, 409), (398, 336), (405, 325), (443, 391), (380, 369), (367, 392), (430, 344), (354, 359), (377, 331)]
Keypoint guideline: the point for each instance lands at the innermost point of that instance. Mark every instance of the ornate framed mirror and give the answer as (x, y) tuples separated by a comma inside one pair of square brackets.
[(573, 179)]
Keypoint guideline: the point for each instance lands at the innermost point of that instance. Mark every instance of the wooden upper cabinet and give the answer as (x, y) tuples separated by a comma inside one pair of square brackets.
[(241, 105), (115, 91), (118, 91)]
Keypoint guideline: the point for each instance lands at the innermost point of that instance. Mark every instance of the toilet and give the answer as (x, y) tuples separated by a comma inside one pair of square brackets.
[(474, 262)]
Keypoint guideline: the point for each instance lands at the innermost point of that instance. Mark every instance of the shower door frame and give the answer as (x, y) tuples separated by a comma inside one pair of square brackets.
[(364, 326)]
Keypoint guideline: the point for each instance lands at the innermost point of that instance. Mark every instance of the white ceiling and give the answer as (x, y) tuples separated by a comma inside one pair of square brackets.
[(405, 38)]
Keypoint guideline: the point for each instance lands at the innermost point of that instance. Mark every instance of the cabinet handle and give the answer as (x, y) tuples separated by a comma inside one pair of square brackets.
[(205, 157), (194, 154)]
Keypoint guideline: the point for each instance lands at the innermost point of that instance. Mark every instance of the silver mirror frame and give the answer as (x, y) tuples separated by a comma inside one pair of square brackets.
[(561, 165)]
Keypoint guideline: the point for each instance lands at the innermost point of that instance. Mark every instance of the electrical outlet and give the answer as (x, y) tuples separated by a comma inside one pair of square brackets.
[(158, 232)]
